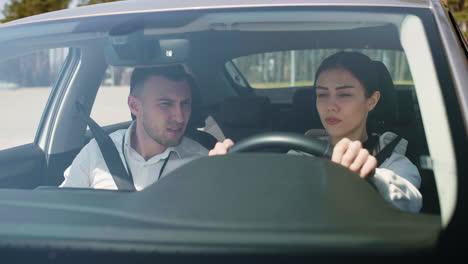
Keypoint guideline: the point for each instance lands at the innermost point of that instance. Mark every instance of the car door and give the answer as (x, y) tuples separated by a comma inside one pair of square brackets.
[(27, 81)]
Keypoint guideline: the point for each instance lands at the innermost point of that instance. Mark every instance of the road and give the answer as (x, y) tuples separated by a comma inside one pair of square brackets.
[(22, 110)]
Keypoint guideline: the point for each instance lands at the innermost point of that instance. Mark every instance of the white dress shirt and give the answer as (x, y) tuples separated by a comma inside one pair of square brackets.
[(89, 170)]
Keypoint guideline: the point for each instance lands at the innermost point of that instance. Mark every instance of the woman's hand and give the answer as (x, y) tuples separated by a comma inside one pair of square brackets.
[(351, 155), (221, 148)]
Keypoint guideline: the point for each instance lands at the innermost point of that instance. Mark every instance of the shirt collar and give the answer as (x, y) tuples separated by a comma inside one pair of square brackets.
[(128, 135)]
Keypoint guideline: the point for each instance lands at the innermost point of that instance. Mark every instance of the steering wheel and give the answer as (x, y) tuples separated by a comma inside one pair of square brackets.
[(284, 140), (287, 140)]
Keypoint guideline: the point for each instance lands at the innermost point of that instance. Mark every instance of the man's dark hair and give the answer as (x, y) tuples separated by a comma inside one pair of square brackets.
[(174, 73)]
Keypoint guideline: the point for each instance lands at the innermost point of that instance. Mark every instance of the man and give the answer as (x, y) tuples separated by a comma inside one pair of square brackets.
[(160, 101)]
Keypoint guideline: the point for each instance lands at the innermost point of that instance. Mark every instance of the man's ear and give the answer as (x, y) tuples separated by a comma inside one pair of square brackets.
[(373, 100), (134, 104)]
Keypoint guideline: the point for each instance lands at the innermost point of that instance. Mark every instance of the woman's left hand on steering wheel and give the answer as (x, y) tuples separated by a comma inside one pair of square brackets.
[(353, 156)]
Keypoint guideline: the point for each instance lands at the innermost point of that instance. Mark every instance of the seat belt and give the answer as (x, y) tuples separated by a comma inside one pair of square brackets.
[(110, 153), (387, 151), (384, 154)]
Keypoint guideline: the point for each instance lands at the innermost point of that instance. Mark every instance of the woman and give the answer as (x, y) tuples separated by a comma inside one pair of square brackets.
[(347, 91)]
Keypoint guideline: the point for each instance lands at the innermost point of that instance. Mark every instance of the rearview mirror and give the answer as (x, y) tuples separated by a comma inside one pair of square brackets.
[(136, 49)]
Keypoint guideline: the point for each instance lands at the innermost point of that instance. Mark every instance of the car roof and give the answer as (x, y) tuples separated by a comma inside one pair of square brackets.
[(140, 6)]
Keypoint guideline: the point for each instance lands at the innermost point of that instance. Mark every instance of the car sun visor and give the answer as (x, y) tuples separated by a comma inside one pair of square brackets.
[(136, 49)]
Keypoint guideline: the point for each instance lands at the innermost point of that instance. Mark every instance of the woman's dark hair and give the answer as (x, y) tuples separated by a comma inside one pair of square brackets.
[(374, 76)]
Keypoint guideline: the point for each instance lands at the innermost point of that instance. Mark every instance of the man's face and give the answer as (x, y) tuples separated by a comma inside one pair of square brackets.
[(164, 109)]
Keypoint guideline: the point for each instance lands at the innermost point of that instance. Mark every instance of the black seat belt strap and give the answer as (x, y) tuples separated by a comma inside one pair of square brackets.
[(387, 151), (110, 153)]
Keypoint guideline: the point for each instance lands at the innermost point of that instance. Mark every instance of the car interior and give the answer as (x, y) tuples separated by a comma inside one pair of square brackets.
[(206, 43)]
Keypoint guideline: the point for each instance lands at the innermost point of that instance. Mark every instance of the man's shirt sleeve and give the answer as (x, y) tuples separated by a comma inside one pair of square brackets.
[(78, 174)]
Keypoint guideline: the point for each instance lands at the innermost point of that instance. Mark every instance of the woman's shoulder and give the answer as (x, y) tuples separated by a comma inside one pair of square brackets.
[(387, 137)]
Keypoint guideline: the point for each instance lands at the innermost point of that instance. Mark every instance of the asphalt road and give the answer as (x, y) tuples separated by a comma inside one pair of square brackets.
[(22, 110)]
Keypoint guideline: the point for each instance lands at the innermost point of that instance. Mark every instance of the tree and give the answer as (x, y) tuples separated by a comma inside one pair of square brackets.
[(455, 5), (459, 9), (92, 2), (23, 8), (32, 69)]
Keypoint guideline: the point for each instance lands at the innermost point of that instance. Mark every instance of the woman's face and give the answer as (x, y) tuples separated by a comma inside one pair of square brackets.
[(342, 104)]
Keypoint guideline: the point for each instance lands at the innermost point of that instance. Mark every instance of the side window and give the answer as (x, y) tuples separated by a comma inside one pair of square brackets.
[(278, 74), (235, 74), (110, 106), (25, 86)]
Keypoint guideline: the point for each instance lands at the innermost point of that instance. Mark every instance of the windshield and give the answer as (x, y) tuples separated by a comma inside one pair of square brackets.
[(256, 71)]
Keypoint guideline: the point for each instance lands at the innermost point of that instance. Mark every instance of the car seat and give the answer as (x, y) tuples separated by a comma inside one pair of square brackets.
[(397, 112), (240, 117), (303, 115), (197, 119)]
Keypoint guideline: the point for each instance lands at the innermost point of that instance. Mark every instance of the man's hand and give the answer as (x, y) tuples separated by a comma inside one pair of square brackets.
[(351, 155), (221, 148)]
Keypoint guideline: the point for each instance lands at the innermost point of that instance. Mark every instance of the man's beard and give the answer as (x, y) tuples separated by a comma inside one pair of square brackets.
[(168, 142), (158, 136)]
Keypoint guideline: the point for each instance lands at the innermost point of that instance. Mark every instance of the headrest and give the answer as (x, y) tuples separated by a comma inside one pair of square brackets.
[(252, 111), (303, 107), (197, 118), (304, 100)]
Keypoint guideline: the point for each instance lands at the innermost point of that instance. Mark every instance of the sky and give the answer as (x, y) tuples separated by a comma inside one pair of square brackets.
[(2, 3)]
